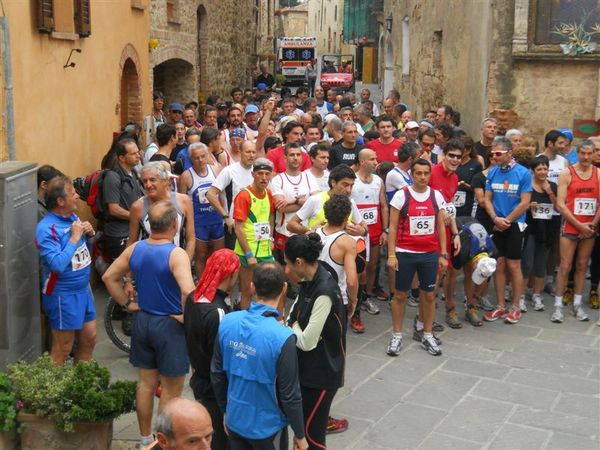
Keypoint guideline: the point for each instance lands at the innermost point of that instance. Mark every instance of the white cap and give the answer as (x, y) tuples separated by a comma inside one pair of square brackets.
[(411, 124), (328, 117), (484, 269)]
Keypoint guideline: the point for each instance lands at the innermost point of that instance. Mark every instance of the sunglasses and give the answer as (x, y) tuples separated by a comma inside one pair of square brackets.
[(497, 154), (453, 156)]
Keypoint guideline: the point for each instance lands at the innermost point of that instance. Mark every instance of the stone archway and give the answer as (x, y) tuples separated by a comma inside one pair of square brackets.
[(176, 79), (130, 89)]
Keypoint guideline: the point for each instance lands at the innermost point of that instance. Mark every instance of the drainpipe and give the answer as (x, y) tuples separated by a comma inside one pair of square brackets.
[(8, 86)]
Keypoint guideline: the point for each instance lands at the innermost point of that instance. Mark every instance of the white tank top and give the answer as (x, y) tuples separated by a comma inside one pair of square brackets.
[(328, 240), (296, 186), (366, 197)]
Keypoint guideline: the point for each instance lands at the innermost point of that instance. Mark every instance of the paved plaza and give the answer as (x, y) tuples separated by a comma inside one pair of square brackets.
[(533, 385)]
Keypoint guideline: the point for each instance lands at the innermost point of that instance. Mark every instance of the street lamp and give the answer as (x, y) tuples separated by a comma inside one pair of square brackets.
[(388, 23)]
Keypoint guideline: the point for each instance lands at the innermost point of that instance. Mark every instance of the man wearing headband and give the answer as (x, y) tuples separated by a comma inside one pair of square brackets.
[(253, 212), (204, 310)]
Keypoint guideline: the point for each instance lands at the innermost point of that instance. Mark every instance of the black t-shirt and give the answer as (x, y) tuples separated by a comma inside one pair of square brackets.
[(160, 157), (176, 150), (483, 151), (540, 229), (268, 79), (124, 189), (466, 172), (342, 155), (481, 215)]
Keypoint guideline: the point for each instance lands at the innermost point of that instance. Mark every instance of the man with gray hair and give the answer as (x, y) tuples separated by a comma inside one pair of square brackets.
[(507, 196), (345, 151), (489, 130), (163, 276), (208, 222), (183, 424)]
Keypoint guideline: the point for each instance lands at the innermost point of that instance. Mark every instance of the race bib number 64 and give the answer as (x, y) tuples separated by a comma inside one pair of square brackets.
[(422, 225)]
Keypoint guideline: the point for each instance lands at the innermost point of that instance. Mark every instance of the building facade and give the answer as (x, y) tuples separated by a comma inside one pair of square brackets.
[(294, 21), (205, 47), (79, 73), (496, 58), (325, 22)]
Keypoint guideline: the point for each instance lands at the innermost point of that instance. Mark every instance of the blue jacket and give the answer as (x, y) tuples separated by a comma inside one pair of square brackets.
[(250, 343)]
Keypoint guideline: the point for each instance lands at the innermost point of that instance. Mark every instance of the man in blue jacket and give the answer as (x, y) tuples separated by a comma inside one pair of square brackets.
[(62, 239), (254, 370)]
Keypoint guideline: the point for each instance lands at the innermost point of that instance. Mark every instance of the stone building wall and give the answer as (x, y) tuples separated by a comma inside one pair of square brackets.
[(208, 46)]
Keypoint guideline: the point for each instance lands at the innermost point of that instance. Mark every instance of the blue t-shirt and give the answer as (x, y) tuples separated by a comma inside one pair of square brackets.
[(65, 266), (572, 157), (507, 186)]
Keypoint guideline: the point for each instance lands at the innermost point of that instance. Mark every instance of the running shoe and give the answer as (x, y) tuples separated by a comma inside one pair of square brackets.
[(538, 303), (412, 301), (336, 425), (369, 306), (594, 300), (418, 336), (580, 313), (485, 304), (498, 313), (568, 296), (557, 316), (430, 344), (381, 294), (438, 327), (514, 315), (472, 317), (523, 304), (393, 348), (452, 319), (356, 324)]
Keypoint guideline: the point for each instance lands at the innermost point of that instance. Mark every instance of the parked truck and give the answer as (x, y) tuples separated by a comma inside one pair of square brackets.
[(293, 55)]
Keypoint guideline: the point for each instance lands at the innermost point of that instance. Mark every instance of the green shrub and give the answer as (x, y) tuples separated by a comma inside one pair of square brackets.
[(71, 393), (8, 405)]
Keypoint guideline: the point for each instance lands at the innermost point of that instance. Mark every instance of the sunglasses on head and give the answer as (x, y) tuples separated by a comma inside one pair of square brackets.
[(496, 154)]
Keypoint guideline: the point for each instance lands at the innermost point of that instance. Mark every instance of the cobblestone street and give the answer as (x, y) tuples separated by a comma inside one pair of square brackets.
[(533, 385)]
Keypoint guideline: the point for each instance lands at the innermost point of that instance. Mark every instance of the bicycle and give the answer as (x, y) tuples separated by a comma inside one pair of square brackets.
[(118, 324)]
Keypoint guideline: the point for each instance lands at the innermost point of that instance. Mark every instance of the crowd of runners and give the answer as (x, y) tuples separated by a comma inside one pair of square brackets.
[(302, 213)]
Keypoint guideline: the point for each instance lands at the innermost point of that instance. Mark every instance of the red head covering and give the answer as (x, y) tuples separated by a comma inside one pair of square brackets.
[(220, 265)]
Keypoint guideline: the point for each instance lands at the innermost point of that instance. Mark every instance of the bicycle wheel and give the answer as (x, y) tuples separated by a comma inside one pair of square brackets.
[(117, 323)]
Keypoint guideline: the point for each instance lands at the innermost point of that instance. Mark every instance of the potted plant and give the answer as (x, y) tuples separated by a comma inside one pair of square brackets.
[(8, 413), (68, 407)]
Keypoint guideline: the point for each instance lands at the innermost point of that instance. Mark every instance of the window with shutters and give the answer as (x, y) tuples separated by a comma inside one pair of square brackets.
[(64, 19), (173, 11)]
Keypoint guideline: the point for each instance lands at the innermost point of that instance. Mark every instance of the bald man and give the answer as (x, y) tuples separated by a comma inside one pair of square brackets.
[(369, 194), (183, 425)]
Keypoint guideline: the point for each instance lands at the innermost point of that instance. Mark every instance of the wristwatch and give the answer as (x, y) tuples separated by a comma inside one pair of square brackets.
[(386, 230), (225, 216), (444, 255)]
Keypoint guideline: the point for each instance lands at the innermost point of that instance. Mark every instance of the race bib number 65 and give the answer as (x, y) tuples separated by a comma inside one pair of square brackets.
[(422, 225), (585, 206)]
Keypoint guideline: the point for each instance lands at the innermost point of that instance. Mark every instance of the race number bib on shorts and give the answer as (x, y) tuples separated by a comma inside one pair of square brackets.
[(585, 206), (422, 225), (262, 231), (81, 259), (543, 211), (450, 209), (460, 198), (369, 215)]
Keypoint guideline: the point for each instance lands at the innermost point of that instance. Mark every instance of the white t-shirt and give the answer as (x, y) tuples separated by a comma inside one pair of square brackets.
[(237, 176), (322, 181), (301, 185), (150, 151), (396, 179), (556, 165), (399, 199), (313, 205)]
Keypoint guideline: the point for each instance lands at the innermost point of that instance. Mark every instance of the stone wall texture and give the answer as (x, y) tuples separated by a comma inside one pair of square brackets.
[(461, 53), (207, 47)]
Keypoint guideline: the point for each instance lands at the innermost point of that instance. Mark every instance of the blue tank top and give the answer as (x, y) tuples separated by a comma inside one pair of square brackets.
[(204, 213), (158, 291)]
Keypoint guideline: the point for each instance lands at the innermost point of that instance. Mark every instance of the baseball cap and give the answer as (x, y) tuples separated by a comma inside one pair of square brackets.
[(485, 268), (251, 109), (238, 132), (261, 86), (175, 106), (425, 123), (411, 124), (567, 132), (222, 106)]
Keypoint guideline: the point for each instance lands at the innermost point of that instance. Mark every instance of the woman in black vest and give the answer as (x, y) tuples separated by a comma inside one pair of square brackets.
[(322, 345)]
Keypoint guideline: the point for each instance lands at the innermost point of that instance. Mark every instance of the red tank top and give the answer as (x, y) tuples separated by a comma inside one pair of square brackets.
[(417, 228), (582, 199)]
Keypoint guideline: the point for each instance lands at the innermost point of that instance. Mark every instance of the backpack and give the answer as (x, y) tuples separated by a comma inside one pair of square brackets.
[(89, 189)]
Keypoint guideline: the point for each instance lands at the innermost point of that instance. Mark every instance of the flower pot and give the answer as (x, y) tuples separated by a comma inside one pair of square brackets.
[(40, 433), (8, 440), (506, 118)]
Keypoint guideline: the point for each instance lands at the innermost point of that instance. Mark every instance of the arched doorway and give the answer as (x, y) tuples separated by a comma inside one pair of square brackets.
[(131, 95), (175, 79), (202, 37)]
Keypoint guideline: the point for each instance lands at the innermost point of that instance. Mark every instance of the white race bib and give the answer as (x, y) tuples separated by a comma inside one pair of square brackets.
[(81, 259), (422, 225), (543, 211), (450, 209), (262, 231), (369, 215), (202, 196), (460, 198), (585, 206)]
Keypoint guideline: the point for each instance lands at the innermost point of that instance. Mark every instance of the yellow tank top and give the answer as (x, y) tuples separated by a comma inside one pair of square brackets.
[(319, 220), (257, 227)]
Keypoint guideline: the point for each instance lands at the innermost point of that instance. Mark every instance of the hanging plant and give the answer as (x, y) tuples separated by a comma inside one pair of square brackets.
[(579, 40)]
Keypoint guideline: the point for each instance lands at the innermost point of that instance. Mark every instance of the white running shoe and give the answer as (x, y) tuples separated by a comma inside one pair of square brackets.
[(538, 304), (580, 313), (557, 316), (522, 304)]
